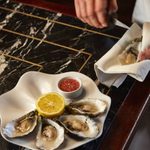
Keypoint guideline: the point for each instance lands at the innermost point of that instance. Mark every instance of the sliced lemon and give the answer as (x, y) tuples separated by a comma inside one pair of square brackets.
[(50, 105)]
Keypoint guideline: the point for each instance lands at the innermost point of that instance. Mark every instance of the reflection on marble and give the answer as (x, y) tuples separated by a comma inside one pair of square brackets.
[(39, 40)]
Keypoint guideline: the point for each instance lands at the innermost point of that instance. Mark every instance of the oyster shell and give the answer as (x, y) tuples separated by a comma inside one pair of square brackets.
[(80, 125), (21, 126), (90, 107), (50, 135)]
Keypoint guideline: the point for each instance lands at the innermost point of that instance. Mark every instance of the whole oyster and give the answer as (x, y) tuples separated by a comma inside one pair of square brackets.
[(50, 135), (90, 107), (80, 125), (21, 126)]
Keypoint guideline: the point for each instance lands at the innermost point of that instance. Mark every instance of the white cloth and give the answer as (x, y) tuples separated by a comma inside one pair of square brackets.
[(141, 11), (119, 23), (110, 71)]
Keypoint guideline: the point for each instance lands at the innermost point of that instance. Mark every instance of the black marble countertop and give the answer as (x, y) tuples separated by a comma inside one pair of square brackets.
[(33, 39)]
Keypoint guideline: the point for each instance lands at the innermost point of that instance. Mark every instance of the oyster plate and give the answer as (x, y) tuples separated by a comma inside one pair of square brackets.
[(21, 100)]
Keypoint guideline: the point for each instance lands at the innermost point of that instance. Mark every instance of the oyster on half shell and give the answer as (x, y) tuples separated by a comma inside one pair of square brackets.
[(21, 126), (50, 135), (80, 125), (130, 54), (90, 107)]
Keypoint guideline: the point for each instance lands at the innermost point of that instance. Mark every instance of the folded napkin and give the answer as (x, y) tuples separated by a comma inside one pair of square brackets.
[(110, 71)]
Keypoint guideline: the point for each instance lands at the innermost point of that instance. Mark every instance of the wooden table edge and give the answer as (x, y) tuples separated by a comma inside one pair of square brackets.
[(121, 132), (50, 6)]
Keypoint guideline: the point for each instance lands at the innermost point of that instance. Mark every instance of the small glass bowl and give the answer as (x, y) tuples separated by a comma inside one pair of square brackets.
[(70, 87)]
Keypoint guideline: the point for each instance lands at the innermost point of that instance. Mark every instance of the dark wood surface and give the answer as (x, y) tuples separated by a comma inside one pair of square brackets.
[(126, 119), (65, 7)]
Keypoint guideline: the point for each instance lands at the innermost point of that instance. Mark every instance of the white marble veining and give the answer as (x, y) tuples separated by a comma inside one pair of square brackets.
[(63, 66), (3, 63), (48, 28), (7, 1), (9, 16)]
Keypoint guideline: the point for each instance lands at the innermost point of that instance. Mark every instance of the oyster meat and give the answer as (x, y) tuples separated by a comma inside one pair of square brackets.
[(21, 126), (80, 125), (50, 135), (130, 54), (90, 107)]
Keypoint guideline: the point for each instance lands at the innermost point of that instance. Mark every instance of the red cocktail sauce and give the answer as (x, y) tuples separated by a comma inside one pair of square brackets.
[(69, 85)]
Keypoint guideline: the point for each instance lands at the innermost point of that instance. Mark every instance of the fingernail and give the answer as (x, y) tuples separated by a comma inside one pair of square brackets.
[(97, 26), (100, 26)]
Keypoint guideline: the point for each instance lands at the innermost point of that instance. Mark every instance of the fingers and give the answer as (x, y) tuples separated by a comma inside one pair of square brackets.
[(78, 9), (93, 12), (141, 56), (144, 54), (91, 16), (101, 12), (85, 12), (84, 6)]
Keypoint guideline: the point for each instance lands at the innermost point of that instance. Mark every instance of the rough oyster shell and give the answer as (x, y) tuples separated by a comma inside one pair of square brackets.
[(50, 135), (90, 107), (21, 126), (80, 125)]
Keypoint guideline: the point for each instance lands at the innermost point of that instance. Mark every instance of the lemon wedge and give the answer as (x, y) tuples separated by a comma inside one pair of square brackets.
[(50, 105)]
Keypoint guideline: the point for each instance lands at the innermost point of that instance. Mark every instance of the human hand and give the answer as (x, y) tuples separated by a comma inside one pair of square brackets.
[(144, 54), (95, 12)]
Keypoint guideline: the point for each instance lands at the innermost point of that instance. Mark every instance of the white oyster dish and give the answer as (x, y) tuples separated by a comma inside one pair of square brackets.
[(21, 100)]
